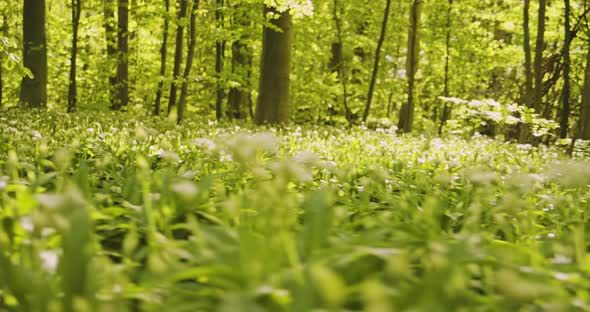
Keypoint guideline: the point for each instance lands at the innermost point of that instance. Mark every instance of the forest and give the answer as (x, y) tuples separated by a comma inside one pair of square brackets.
[(294, 155)]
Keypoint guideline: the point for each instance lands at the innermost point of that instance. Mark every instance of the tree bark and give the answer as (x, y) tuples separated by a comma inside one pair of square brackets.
[(528, 69), (539, 47), (72, 90), (377, 60), (177, 55), (585, 113), (163, 57), (3, 31), (111, 40), (565, 109), (122, 99), (189, 62), (34, 90), (447, 107), (529, 91), (275, 68), (239, 96), (338, 63), (219, 55), (406, 118)]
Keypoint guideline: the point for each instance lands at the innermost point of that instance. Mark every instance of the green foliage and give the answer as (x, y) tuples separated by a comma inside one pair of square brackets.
[(472, 116), (104, 212)]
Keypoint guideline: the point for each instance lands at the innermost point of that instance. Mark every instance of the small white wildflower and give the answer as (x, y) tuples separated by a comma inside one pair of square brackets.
[(306, 157), (49, 259), (3, 183), (205, 144), (185, 189), (27, 224)]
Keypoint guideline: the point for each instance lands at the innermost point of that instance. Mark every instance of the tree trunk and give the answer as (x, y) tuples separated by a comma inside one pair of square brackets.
[(338, 63), (177, 55), (539, 47), (34, 90), (3, 31), (163, 57), (111, 39), (406, 117), (72, 90), (219, 55), (238, 96), (528, 69), (446, 113), (123, 56), (377, 59), (565, 109), (275, 68), (189, 62), (585, 113)]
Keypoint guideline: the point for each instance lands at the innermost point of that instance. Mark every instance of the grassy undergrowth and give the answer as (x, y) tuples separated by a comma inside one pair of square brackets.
[(119, 213)]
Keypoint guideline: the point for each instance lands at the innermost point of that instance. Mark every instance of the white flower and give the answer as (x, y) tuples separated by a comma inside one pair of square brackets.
[(49, 258), (185, 189), (205, 144)]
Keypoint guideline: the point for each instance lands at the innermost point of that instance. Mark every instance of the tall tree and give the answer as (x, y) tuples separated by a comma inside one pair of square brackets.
[(447, 107), (108, 7), (585, 113), (377, 60), (219, 55), (189, 61), (338, 61), (528, 69), (72, 90), (123, 55), (3, 32), (238, 98), (275, 68), (406, 117), (34, 89), (163, 57), (565, 108), (539, 48), (177, 54), (529, 93)]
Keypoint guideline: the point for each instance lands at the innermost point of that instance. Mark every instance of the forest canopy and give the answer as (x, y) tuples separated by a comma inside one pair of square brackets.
[(338, 62)]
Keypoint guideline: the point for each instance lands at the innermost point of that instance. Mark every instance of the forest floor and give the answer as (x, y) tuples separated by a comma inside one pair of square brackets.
[(116, 213)]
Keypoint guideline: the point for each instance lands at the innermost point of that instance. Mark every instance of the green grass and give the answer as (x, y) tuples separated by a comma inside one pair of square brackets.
[(105, 212)]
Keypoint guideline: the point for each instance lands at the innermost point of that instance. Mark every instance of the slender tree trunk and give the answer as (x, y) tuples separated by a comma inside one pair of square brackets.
[(528, 69), (539, 47), (123, 55), (377, 60), (250, 101), (447, 107), (529, 91), (275, 68), (406, 118), (163, 57), (111, 39), (189, 62), (565, 109), (238, 98), (585, 112), (339, 63), (3, 31), (72, 90), (219, 55), (177, 55), (34, 89)]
